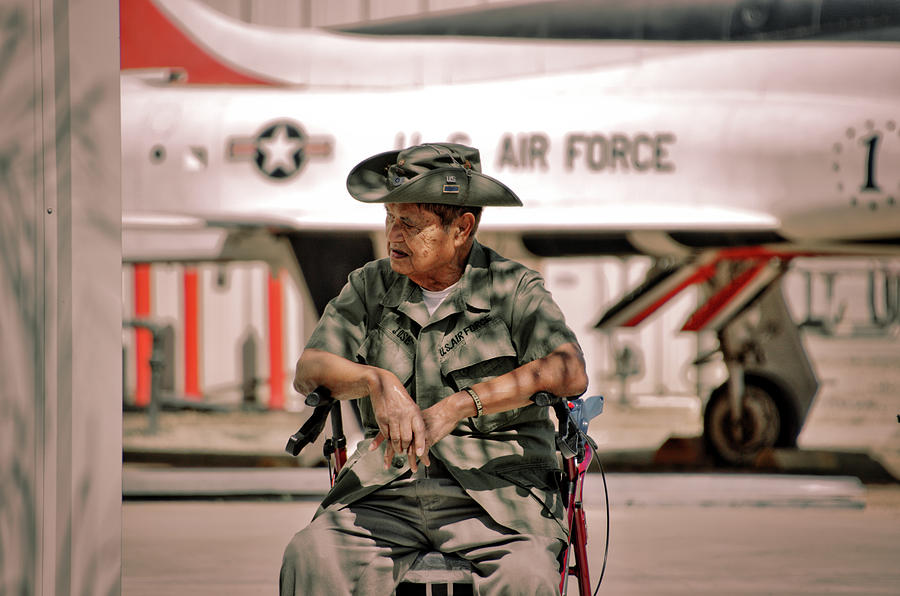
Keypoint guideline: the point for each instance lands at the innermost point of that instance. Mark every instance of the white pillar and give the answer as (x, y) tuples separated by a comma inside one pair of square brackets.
[(60, 298)]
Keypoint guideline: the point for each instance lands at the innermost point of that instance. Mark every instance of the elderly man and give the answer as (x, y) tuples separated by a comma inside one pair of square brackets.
[(443, 343)]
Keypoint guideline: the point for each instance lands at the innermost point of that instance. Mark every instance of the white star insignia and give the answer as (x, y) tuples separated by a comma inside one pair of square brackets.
[(278, 151)]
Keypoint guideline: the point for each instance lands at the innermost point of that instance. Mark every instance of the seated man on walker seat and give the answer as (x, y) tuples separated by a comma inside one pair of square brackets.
[(443, 343)]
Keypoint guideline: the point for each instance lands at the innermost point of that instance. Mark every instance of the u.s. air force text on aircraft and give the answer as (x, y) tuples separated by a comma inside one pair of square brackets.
[(593, 151), (581, 150)]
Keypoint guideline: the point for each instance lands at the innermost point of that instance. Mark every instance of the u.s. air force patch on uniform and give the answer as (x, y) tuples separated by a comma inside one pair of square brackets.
[(460, 336)]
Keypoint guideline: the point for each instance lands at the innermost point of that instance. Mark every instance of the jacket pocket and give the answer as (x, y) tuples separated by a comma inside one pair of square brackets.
[(385, 350), (487, 355)]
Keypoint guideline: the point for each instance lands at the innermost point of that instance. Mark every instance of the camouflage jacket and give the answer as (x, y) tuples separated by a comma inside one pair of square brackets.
[(497, 318)]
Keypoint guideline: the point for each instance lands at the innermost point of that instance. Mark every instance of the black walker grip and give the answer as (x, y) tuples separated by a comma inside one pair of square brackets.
[(544, 399), (310, 430), (320, 396)]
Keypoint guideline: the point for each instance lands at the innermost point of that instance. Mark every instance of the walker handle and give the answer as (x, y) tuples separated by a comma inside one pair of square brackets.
[(320, 396), (320, 399)]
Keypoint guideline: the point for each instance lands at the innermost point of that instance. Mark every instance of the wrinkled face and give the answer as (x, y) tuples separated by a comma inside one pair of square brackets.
[(421, 248)]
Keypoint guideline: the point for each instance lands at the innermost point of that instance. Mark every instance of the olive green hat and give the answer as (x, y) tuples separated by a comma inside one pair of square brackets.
[(444, 173)]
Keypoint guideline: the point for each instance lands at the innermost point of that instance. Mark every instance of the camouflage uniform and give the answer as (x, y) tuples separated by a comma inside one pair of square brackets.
[(498, 318)]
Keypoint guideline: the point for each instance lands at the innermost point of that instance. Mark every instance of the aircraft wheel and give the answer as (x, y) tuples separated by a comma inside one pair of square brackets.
[(760, 425)]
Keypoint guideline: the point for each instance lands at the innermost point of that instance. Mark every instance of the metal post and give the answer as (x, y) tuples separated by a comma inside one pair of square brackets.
[(248, 371), (157, 369)]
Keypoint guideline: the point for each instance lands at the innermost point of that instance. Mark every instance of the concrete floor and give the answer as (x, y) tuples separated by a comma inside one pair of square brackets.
[(681, 545)]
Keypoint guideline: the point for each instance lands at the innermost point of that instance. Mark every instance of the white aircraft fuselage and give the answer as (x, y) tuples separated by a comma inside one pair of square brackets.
[(797, 139)]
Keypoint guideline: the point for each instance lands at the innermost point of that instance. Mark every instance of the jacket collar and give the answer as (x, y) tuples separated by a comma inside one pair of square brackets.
[(473, 289), (472, 292)]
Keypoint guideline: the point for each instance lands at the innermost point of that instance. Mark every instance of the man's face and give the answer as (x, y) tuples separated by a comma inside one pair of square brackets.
[(420, 247)]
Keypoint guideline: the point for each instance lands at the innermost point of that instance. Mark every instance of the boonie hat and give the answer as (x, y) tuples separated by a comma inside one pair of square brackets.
[(445, 173)]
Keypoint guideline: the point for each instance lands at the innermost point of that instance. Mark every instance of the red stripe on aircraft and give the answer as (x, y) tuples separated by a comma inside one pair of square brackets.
[(717, 302), (191, 343), (702, 274), (705, 272), (276, 368), (149, 39), (319, 148), (143, 339), (758, 255), (243, 148)]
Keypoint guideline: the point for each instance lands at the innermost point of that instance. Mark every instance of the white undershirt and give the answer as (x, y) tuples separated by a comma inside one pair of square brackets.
[(434, 299)]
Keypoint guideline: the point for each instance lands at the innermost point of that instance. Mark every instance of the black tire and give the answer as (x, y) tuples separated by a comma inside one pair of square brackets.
[(762, 423)]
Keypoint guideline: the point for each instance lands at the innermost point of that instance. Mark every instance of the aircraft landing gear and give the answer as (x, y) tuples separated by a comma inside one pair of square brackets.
[(758, 426), (770, 388)]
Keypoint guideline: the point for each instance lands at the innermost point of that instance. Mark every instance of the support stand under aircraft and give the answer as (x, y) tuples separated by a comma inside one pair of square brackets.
[(771, 383)]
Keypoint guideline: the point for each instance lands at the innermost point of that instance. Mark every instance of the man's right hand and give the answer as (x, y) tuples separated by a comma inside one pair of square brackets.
[(398, 416), (399, 420)]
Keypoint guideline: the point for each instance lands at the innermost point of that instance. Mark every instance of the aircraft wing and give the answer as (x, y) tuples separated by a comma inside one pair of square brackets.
[(627, 217), (643, 223)]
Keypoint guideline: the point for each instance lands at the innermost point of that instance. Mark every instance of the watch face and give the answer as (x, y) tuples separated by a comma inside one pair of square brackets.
[(864, 164)]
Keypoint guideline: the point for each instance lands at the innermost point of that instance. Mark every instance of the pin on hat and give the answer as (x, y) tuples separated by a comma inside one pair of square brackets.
[(445, 173)]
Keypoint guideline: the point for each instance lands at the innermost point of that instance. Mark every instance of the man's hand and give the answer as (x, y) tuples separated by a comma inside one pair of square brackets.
[(399, 421), (440, 419)]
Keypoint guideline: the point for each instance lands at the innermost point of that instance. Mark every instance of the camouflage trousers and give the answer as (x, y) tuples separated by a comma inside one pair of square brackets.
[(366, 547)]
